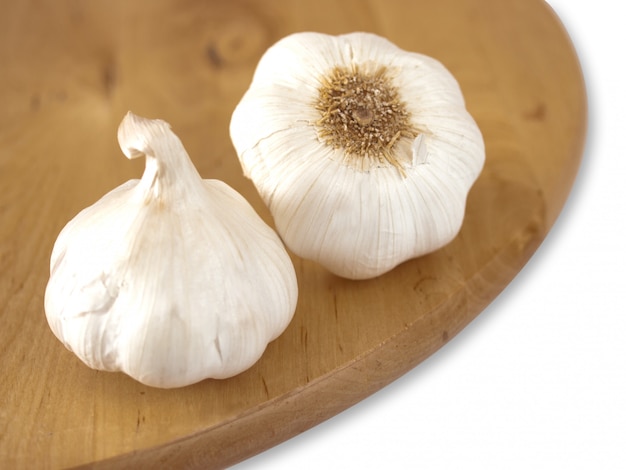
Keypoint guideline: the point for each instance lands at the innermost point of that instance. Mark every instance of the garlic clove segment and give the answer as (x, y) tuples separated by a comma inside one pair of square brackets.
[(171, 279), (363, 152)]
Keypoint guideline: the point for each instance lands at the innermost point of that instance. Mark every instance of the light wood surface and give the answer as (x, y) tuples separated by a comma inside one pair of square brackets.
[(69, 70)]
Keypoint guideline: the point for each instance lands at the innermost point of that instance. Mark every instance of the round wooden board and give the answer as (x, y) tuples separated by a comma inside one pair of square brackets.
[(70, 70)]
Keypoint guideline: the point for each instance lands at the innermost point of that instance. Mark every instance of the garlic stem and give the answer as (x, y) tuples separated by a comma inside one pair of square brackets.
[(167, 163)]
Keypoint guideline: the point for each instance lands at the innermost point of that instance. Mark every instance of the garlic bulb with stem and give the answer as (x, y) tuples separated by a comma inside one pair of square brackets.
[(171, 278), (363, 152)]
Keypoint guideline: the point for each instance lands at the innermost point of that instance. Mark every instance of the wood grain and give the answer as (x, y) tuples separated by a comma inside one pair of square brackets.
[(71, 69)]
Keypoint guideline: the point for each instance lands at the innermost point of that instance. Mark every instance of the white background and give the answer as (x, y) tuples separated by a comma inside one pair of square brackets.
[(538, 380)]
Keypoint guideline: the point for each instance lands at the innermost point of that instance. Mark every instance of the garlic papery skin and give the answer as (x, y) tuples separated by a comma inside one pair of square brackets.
[(363, 152), (171, 279)]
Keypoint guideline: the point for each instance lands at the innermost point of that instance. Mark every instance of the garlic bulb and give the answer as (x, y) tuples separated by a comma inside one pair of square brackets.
[(171, 279), (364, 153)]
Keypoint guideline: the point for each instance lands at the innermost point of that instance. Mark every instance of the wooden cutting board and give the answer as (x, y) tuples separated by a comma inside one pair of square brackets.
[(70, 70)]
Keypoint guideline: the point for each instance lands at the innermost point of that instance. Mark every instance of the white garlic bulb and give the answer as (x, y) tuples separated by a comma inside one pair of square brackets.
[(363, 152), (171, 279)]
